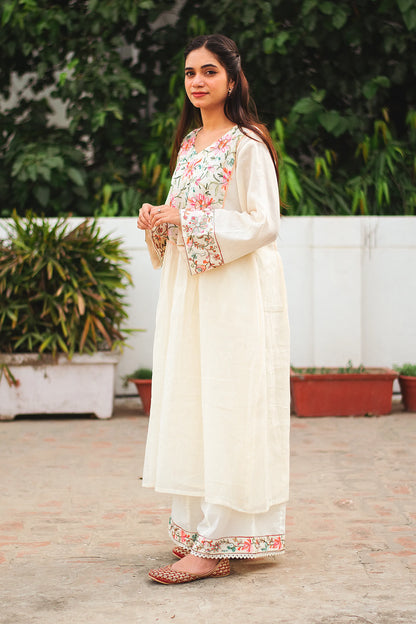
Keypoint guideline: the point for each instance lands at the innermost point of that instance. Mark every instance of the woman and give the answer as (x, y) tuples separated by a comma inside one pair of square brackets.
[(218, 436)]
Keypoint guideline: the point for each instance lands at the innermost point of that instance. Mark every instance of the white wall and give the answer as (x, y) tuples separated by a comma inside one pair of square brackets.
[(351, 285), (351, 288)]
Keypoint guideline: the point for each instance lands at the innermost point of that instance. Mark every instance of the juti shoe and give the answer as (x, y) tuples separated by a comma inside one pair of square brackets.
[(180, 552), (169, 576)]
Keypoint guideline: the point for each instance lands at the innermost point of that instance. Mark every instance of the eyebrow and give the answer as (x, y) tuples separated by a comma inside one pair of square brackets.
[(203, 66)]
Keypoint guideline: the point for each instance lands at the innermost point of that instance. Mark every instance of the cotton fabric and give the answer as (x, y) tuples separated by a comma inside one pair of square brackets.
[(219, 422), (215, 531)]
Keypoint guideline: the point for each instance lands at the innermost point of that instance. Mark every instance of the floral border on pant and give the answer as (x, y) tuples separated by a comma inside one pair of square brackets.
[(236, 546)]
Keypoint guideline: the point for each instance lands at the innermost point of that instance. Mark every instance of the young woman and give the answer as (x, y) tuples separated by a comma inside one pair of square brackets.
[(218, 436)]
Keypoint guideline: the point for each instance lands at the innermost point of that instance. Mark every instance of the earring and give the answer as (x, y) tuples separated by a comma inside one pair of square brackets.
[(229, 91)]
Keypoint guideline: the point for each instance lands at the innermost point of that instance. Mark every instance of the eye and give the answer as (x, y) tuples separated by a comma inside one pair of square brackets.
[(189, 73), (211, 72)]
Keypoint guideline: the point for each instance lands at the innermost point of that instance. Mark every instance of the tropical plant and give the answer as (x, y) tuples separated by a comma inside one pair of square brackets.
[(61, 289)]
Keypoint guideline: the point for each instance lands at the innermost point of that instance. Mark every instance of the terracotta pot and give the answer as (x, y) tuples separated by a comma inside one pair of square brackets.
[(144, 388), (408, 389), (342, 394)]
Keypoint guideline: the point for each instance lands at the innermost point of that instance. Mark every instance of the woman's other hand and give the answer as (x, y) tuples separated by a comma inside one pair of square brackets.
[(164, 214), (152, 216), (144, 219)]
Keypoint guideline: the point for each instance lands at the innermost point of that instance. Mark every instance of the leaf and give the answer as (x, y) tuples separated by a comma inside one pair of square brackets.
[(49, 269), (293, 184), (268, 45), (370, 88), (409, 19), (32, 173), (62, 78), (45, 343), (327, 7), (281, 38), (42, 194), (405, 5), (62, 344), (76, 176), (306, 106), (8, 12), (308, 5), (62, 272), (102, 329), (333, 122), (339, 18), (81, 303), (84, 333)]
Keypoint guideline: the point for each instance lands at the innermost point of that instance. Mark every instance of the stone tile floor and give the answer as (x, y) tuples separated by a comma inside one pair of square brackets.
[(78, 532)]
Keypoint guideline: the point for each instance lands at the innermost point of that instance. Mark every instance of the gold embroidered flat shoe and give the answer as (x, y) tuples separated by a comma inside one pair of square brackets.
[(180, 552), (169, 576)]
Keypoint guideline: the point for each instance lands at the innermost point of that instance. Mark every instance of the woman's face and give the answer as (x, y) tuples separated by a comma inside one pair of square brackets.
[(206, 81)]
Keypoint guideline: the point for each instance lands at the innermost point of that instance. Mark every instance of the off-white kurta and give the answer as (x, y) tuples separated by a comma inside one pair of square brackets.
[(219, 422)]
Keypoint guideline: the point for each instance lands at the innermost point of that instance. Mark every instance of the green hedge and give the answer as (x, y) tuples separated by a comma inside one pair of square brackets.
[(333, 80)]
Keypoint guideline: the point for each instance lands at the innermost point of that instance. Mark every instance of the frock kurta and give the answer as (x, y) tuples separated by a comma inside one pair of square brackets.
[(219, 422)]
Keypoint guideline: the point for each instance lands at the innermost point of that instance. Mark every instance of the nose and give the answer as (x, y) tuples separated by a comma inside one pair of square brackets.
[(198, 79)]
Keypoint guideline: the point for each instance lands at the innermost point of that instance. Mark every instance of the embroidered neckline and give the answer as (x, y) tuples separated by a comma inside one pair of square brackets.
[(214, 143), (199, 185)]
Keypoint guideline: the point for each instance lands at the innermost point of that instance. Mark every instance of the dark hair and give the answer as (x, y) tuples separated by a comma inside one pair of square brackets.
[(239, 107)]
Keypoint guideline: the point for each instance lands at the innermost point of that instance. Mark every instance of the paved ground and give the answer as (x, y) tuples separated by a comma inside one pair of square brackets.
[(78, 533)]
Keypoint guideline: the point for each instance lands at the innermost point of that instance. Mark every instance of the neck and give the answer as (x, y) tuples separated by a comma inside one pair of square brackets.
[(215, 120)]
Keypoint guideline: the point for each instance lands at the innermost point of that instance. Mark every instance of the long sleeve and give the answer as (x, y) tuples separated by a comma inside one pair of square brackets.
[(156, 240), (215, 233)]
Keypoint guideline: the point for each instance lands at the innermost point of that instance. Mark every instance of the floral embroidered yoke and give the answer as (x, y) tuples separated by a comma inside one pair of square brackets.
[(199, 185)]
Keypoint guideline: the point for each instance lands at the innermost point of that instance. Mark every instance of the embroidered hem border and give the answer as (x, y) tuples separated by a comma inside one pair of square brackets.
[(239, 547)]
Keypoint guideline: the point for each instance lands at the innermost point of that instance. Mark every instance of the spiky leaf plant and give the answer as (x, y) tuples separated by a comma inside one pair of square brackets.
[(62, 290)]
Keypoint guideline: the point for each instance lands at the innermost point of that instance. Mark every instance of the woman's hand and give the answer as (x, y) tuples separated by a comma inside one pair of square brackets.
[(143, 220), (164, 214), (152, 216)]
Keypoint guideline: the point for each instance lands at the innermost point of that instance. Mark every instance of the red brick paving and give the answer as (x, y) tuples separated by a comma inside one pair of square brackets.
[(78, 533)]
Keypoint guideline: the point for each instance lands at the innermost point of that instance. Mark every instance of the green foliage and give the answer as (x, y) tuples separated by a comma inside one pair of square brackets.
[(95, 57), (61, 290), (141, 373), (334, 80), (349, 369), (408, 370), (326, 71), (382, 175), (50, 177)]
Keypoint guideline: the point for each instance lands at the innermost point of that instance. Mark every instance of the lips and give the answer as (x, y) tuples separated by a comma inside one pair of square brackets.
[(199, 94)]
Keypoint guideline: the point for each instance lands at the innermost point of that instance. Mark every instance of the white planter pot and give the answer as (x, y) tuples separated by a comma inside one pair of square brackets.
[(83, 385)]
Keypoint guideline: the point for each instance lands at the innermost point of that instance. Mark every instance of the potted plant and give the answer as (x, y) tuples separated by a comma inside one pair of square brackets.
[(142, 379), (61, 310), (345, 391), (407, 381)]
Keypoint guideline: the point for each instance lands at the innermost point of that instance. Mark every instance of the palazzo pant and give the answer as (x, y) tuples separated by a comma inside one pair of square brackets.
[(216, 531)]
